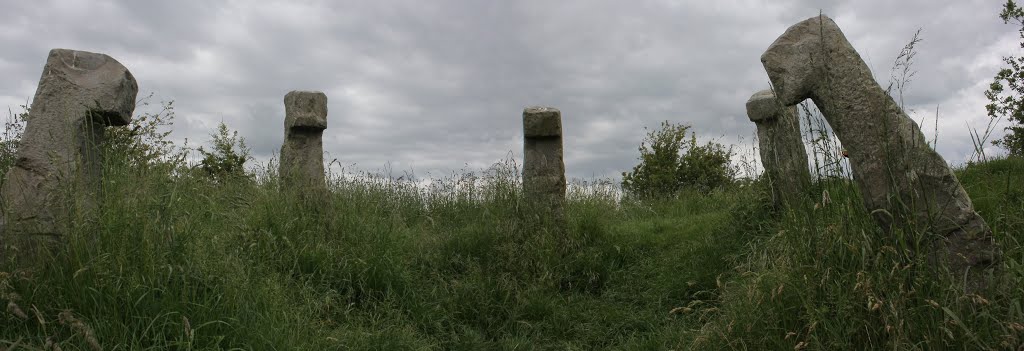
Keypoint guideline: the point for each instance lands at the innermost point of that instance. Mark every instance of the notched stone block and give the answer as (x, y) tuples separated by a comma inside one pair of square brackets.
[(305, 109), (542, 122), (79, 94), (302, 159)]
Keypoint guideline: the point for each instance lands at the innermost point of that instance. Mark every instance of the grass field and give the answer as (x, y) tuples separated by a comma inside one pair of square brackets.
[(177, 261)]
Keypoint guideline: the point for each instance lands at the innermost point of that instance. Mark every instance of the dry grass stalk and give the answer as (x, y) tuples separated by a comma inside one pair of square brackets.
[(66, 318)]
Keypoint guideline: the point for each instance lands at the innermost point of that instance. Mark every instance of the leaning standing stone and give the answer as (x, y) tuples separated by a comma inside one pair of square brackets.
[(79, 94), (543, 168), (781, 148), (903, 181), (302, 154)]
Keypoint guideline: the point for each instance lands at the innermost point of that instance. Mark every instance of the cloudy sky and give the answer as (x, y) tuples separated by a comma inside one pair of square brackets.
[(436, 86)]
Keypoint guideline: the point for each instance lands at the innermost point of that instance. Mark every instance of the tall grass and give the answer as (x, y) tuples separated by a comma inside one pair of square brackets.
[(172, 259), (175, 260), (829, 279)]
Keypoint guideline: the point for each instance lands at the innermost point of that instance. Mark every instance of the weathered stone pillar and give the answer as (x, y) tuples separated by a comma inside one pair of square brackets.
[(781, 148), (543, 168), (902, 180), (302, 154), (79, 94)]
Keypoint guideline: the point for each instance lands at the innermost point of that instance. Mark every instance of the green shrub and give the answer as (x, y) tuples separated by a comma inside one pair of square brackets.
[(227, 158), (670, 163), (706, 167)]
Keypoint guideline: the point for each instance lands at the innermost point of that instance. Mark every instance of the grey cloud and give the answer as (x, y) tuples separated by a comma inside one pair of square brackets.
[(435, 86)]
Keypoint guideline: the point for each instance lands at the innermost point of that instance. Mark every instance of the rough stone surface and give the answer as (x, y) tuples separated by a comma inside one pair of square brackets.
[(902, 180), (781, 148), (543, 166), (302, 154), (79, 94), (542, 122)]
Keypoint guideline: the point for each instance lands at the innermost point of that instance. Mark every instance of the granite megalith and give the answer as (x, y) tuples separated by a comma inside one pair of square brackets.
[(543, 165), (79, 94), (302, 154), (903, 181), (781, 147)]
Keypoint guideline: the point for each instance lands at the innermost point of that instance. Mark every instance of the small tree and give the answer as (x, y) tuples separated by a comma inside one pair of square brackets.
[(227, 158), (1006, 93), (670, 163)]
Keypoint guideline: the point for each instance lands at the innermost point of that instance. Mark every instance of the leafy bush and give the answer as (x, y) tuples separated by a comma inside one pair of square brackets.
[(144, 143), (227, 158), (706, 167), (670, 163), (659, 162)]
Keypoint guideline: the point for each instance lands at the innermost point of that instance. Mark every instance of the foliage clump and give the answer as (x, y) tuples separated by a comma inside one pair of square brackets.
[(145, 144), (226, 160), (670, 162), (1006, 93)]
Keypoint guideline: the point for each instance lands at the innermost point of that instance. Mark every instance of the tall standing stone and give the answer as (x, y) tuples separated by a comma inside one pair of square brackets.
[(781, 148), (302, 154), (902, 179), (79, 94), (543, 167)]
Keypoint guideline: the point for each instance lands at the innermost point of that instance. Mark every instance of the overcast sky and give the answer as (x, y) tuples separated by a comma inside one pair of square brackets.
[(436, 86)]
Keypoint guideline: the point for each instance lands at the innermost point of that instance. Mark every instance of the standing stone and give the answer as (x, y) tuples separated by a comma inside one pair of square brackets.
[(543, 168), (781, 148), (302, 154), (80, 93), (902, 180)]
